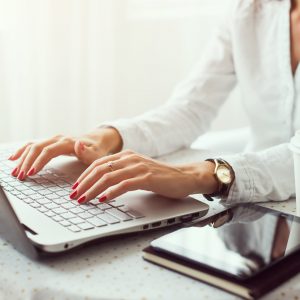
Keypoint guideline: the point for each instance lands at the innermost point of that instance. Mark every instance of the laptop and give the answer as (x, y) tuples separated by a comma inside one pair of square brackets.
[(37, 215)]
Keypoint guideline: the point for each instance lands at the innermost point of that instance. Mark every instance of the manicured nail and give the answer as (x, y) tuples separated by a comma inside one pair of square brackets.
[(73, 195), (21, 175), (15, 171), (102, 199), (31, 171), (11, 157), (81, 199), (75, 185), (81, 145)]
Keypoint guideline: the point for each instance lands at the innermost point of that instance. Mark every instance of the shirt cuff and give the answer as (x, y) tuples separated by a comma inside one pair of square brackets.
[(243, 187), (133, 136)]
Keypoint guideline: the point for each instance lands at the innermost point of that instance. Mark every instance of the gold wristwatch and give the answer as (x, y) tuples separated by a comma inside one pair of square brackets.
[(225, 176)]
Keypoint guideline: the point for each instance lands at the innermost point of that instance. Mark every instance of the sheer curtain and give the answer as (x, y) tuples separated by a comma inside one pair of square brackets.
[(68, 65)]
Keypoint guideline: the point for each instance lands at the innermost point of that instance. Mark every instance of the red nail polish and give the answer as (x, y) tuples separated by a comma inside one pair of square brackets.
[(11, 157), (75, 185), (15, 171), (31, 171), (102, 199), (73, 195), (21, 175), (81, 199)]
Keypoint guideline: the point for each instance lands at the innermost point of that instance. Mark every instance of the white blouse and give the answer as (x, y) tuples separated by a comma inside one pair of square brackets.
[(251, 49)]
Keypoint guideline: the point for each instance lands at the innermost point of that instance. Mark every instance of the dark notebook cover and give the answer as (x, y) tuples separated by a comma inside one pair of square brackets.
[(251, 288)]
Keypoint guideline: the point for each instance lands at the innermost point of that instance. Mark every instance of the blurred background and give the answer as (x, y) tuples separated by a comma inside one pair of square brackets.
[(68, 65)]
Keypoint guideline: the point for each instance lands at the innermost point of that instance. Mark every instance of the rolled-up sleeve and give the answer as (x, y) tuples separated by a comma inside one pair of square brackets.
[(261, 176)]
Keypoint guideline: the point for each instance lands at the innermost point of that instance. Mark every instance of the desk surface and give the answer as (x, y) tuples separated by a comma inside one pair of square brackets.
[(114, 269)]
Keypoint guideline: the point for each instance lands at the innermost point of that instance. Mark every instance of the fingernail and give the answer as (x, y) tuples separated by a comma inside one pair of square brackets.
[(73, 195), (81, 199), (75, 185), (15, 171), (102, 199), (11, 157), (81, 145), (21, 175), (31, 171)]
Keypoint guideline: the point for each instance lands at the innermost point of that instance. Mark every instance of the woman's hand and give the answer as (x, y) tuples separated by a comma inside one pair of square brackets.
[(34, 156), (114, 175)]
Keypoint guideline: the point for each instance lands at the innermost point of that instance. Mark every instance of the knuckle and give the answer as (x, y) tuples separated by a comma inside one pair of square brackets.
[(142, 166), (106, 178), (47, 151), (128, 152), (97, 170)]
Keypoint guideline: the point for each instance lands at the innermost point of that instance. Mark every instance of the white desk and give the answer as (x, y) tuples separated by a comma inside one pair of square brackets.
[(113, 270)]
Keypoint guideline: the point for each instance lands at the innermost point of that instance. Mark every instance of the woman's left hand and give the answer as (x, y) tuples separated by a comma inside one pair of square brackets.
[(114, 175)]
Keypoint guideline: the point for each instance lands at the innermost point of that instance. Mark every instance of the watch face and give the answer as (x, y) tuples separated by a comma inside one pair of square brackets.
[(224, 174)]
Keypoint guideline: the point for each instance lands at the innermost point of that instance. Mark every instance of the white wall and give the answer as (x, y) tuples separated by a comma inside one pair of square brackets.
[(67, 65)]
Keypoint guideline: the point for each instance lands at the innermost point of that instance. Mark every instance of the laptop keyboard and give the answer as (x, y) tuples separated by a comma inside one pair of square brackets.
[(48, 192)]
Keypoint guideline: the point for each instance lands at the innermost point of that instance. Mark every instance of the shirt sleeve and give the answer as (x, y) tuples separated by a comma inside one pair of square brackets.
[(261, 176), (191, 108)]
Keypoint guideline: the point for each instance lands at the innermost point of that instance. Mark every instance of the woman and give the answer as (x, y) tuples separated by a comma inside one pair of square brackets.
[(257, 48)]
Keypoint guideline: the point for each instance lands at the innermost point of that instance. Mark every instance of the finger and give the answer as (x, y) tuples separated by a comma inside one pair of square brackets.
[(17, 171), (32, 155), (63, 147), (19, 152), (123, 187), (95, 175), (101, 161), (87, 152)]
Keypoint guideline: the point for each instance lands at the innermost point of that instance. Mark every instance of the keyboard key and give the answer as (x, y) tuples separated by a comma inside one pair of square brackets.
[(74, 228), (59, 210), (57, 218), (96, 222), (28, 192), (104, 206), (62, 193), (51, 205), (68, 215), (108, 219), (37, 197), (118, 214), (115, 203), (50, 213), (42, 209), (44, 192), (35, 204), (60, 201), (65, 223), (86, 226), (76, 220), (68, 205), (95, 211), (85, 215), (76, 210), (52, 196), (42, 201), (27, 200)]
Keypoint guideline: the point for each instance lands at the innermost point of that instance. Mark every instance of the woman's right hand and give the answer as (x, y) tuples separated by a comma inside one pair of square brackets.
[(34, 156)]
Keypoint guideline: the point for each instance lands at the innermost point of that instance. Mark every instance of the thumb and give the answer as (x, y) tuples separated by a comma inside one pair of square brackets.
[(86, 152)]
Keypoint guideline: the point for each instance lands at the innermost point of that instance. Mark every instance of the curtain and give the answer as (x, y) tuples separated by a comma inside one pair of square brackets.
[(68, 65)]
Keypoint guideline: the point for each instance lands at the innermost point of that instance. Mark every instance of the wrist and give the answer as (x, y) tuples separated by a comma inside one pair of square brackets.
[(203, 175), (109, 139)]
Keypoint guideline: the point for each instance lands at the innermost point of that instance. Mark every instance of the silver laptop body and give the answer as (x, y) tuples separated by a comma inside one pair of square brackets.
[(54, 223)]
